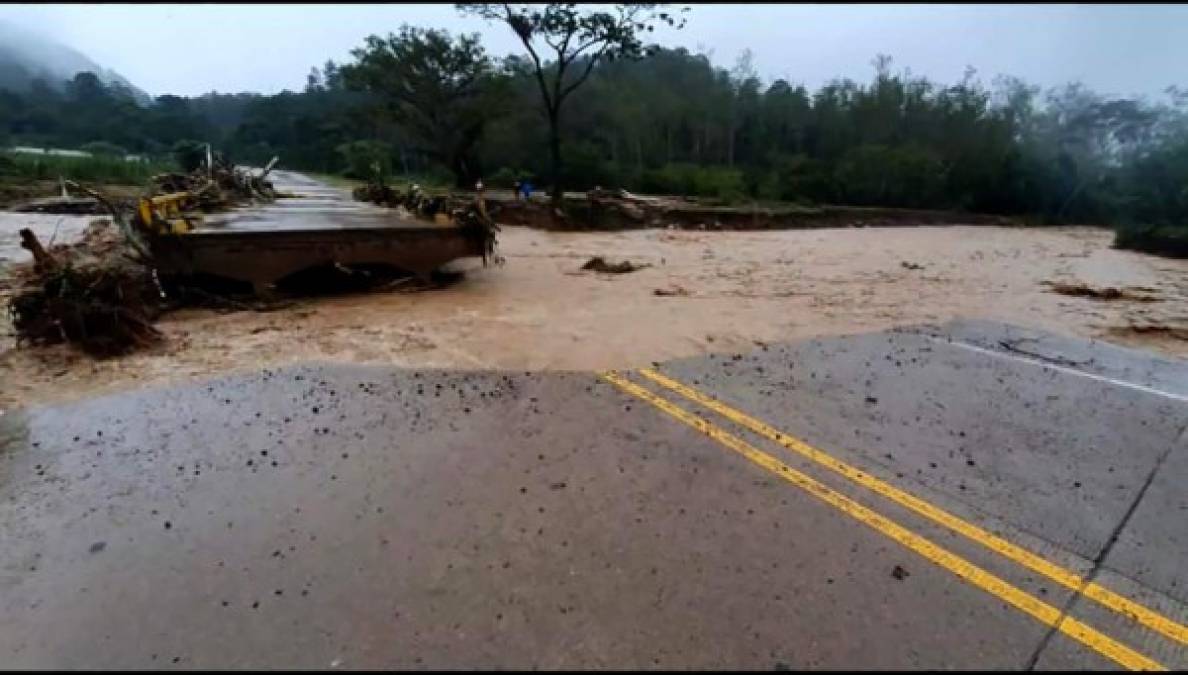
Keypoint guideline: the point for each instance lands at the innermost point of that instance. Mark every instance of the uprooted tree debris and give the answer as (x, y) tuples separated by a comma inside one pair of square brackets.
[(218, 185), (1106, 293), (415, 201), (102, 292), (599, 264), (97, 293)]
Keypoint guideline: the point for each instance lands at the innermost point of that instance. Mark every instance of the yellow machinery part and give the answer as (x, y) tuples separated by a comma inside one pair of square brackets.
[(163, 213)]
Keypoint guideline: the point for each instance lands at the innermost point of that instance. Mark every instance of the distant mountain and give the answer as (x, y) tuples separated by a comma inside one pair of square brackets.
[(25, 57)]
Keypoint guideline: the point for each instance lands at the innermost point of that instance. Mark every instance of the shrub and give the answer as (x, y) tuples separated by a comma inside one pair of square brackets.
[(720, 182), (797, 178), (189, 155), (1167, 240), (363, 158), (879, 175)]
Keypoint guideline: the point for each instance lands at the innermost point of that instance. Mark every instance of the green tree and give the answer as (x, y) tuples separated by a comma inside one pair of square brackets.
[(580, 40), (189, 155), (366, 160), (442, 90)]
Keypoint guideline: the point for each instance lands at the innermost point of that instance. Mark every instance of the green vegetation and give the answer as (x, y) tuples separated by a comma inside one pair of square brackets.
[(423, 103), (578, 41), (188, 155), (443, 91), (110, 170)]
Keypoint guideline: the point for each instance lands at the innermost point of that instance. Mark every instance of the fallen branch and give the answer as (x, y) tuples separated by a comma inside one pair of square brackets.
[(42, 260)]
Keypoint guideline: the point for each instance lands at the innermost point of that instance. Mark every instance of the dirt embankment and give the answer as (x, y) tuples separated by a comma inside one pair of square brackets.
[(700, 292), (614, 213)]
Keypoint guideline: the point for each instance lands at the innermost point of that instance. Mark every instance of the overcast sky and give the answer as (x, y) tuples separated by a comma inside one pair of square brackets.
[(191, 49)]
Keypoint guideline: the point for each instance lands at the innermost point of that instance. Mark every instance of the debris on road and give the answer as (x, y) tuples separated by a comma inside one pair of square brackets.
[(469, 214), (416, 201), (219, 186), (1138, 294), (599, 264), (671, 291), (900, 573), (910, 265)]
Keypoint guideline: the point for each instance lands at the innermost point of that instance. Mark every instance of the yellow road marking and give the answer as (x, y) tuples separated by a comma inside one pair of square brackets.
[(1061, 575), (1045, 613)]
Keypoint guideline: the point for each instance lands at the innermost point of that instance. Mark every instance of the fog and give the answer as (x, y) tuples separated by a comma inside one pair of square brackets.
[(192, 49)]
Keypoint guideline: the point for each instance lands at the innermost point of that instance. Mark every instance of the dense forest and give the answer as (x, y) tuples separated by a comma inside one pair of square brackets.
[(671, 122)]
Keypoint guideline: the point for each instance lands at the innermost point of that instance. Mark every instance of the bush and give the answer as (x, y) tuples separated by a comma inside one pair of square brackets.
[(585, 166), (189, 155), (363, 158), (720, 182), (799, 178), (878, 175), (1166, 240)]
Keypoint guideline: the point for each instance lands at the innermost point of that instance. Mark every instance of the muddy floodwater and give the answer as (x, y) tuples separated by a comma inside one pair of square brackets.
[(49, 229), (701, 292)]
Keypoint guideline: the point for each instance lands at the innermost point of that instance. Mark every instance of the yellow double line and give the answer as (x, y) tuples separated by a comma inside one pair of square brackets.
[(964, 569)]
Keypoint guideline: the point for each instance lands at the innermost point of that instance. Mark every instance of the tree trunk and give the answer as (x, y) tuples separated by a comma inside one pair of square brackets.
[(556, 191), (730, 144), (462, 174)]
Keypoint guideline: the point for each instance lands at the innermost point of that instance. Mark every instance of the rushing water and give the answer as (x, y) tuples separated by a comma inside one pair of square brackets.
[(48, 228)]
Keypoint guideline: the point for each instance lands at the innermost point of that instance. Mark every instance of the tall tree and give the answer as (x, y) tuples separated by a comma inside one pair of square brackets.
[(440, 89), (579, 40)]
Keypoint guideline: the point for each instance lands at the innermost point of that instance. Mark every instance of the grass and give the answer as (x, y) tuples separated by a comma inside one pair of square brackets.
[(26, 168)]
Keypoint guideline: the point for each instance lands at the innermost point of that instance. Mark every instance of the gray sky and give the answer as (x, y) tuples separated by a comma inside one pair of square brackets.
[(1115, 49)]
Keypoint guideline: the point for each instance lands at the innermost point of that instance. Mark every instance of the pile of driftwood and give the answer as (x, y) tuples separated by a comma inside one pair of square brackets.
[(415, 201), (218, 185), (98, 293)]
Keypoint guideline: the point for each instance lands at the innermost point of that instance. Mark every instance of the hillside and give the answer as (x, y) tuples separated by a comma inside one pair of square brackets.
[(25, 56)]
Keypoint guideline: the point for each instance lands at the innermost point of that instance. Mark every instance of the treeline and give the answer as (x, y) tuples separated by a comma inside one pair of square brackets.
[(675, 123)]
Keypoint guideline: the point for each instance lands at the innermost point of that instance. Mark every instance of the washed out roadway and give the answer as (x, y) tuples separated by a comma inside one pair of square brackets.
[(330, 516)]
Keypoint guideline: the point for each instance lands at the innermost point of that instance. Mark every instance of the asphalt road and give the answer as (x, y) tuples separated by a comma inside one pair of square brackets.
[(964, 496), (315, 206)]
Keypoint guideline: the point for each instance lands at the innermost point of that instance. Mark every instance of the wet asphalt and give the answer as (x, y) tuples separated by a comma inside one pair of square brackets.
[(332, 516), (313, 205)]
